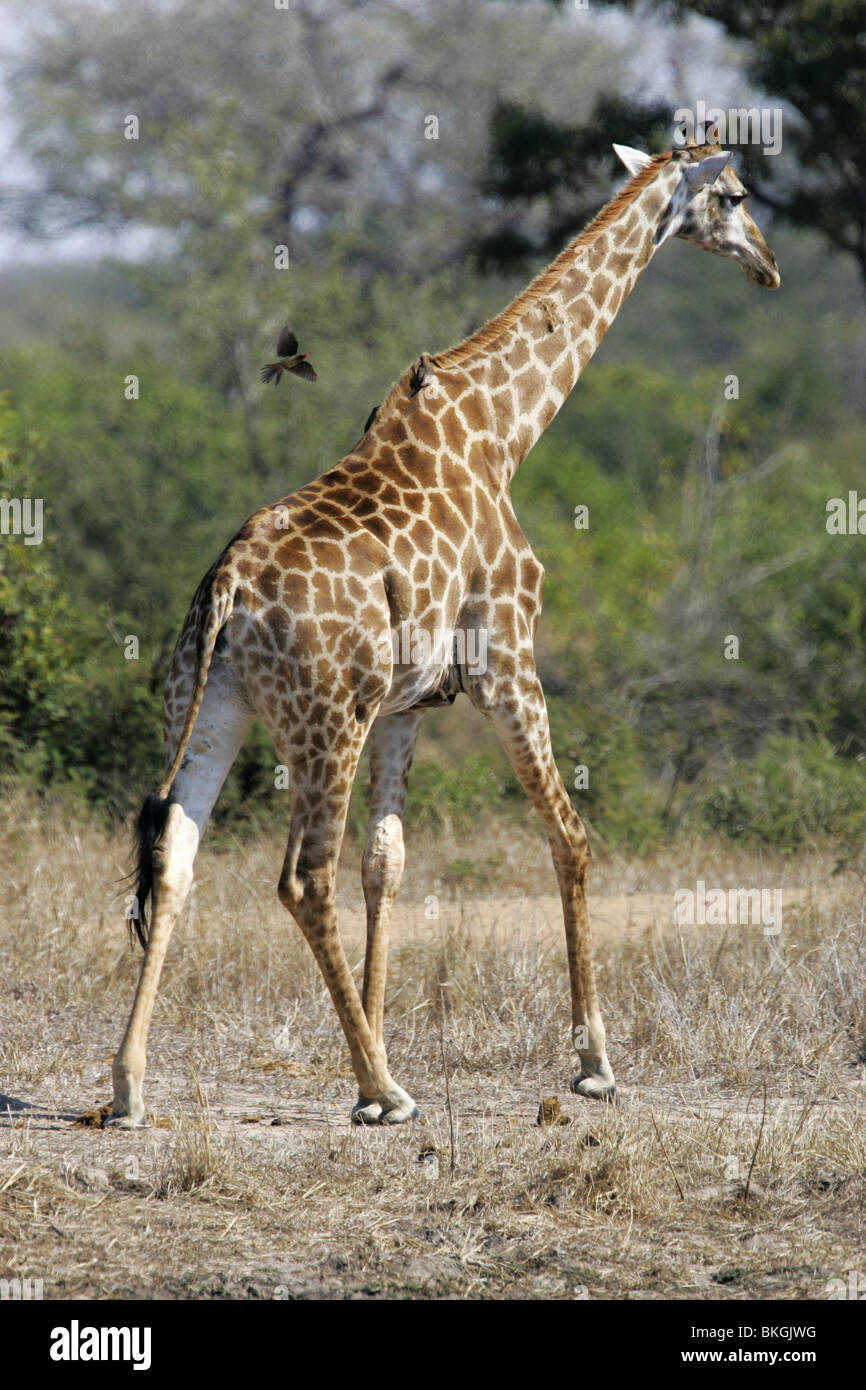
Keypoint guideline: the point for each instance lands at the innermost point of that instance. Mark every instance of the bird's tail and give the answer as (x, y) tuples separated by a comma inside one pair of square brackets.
[(272, 372)]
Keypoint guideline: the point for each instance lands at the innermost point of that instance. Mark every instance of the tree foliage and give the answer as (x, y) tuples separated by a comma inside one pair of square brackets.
[(550, 176), (809, 55), (707, 516)]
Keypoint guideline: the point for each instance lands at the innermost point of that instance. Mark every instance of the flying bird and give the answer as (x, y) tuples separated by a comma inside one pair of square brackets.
[(292, 360)]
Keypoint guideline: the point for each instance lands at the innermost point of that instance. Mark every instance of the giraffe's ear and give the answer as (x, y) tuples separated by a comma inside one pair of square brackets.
[(697, 176), (634, 160)]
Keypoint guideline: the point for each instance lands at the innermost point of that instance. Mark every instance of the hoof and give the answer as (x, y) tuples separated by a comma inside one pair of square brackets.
[(375, 1112), (366, 1112), (399, 1114), (126, 1122), (594, 1088)]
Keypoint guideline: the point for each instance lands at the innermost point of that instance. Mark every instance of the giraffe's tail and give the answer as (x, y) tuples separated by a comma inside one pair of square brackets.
[(153, 815), (148, 828), (216, 611)]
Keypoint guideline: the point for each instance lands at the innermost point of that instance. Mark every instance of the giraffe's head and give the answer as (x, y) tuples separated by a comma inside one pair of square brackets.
[(708, 207)]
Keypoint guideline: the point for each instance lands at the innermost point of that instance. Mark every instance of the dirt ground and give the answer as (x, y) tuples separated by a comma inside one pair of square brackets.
[(734, 1165)]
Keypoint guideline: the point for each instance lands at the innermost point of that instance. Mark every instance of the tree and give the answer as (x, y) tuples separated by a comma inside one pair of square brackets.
[(345, 138), (810, 55), (561, 171)]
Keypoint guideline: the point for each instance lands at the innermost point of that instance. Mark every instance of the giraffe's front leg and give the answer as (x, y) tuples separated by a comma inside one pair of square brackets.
[(392, 744), (517, 709), (307, 890)]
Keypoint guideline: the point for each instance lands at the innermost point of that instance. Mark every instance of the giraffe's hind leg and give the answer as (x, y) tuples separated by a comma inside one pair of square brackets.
[(222, 725), (392, 744), (320, 788)]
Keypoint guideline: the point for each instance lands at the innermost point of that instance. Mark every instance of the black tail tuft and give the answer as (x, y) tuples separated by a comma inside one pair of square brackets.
[(148, 828)]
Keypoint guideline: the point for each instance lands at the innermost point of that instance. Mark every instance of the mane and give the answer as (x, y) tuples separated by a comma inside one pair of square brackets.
[(397, 392), (543, 283), (546, 280)]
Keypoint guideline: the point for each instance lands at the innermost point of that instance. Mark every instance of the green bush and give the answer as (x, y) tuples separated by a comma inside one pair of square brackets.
[(792, 793)]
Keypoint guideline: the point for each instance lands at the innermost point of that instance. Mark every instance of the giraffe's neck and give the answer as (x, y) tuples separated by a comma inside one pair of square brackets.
[(528, 359)]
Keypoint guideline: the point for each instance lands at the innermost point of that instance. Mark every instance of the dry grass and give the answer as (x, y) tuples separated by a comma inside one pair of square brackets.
[(734, 1166)]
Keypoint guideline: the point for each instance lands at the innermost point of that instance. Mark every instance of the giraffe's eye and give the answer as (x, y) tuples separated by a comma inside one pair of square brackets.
[(730, 200)]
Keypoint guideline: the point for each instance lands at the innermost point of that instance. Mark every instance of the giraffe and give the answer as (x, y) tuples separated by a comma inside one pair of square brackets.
[(412, 531)]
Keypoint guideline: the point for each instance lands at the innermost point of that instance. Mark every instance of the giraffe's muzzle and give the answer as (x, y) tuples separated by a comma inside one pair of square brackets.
[(763, 272)]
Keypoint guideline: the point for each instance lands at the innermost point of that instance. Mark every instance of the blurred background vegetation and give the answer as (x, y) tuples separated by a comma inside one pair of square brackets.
[(307, 127)]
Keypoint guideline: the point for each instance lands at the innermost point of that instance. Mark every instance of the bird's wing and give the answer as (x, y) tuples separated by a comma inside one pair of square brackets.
[(287, 343), (305, 370)]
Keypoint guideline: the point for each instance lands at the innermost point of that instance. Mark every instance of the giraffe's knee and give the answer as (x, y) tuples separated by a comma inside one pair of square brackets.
[(290, 891), (384, 858), (307, 893)]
